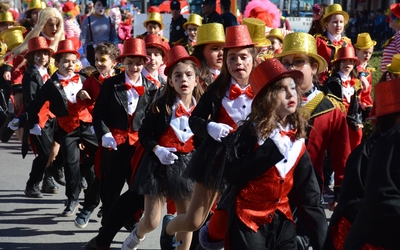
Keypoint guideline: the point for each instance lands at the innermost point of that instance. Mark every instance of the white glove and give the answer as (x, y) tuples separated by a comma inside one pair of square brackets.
[(108, 141), (165, 155), (218, 130), (14, 124), (85, 62), (36, 130), (92, 130)]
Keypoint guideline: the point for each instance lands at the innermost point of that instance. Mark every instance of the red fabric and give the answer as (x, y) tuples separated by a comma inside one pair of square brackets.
[(224, 117), (365, 95), (368, 246), (169, 139), (77, 113), (153, 80), (355, 138), (340, 232), (171, 208), (17, 73), (121, 135), (218, 225), (44, 114), (65, 82), (180, 111), (139, 89), (92, 86), (235, 92), (291, 134)]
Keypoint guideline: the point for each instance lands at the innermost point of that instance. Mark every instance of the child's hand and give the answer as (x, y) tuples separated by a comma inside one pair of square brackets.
[(218, 130), (7, 75), (165, 155), (83, 95), (364, 83)]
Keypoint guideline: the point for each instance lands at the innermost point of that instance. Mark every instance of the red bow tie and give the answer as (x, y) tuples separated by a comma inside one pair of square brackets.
[(338, 43), (45, 77), (102, 78), (235, 92), (291, 134), (180, 111), (348, 83), (153, 80), (139, 89), (65, 82)]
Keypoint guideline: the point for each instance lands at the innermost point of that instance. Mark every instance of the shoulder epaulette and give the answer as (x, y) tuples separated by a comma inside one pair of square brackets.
[(337, 102), (347, 40), (321, 36)]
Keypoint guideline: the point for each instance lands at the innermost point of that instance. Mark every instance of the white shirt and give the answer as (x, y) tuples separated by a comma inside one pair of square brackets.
[(72, 88), (133, 96), (180, 125)]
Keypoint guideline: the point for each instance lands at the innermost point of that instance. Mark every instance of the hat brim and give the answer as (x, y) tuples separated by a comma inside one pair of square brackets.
[(262, 43), (322, 64), (239, 46), (184, 26), (67, 51), (367, 46), (7, 31), (296, 75), (158, 46), (209, 42), (389, 68), (275, 35), (41, 49), (338, 12), (191, 58), (147, 21), (347, 58)]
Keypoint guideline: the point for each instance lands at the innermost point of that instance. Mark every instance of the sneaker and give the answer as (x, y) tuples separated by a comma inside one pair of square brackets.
[(48, 185), (167, 242), (71, 207), (82, 218), (57, 174), (132, 241), (92, 245), (84, 184), (33, 191)]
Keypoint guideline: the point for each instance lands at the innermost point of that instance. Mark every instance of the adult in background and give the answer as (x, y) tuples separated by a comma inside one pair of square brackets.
[(210, 13), (390, 48), (176, 30), (228, 18)]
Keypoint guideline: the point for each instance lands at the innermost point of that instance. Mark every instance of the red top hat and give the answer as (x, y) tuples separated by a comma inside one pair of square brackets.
[(386, 97), (153, 9), (153, 40), (395, 9), (68, 6), (38, 43), (66, 46), (77, 43), (345, 53), (133, 47), (176, 54), (237, 36), (270, 71)]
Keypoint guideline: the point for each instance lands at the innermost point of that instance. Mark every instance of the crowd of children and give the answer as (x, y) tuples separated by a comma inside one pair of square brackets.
[(233, 129)]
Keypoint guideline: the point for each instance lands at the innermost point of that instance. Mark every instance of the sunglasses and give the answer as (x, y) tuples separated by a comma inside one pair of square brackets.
[(297, 64)]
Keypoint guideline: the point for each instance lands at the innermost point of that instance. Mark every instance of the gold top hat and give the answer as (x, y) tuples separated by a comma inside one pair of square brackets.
[(6, 17), (3, 49), (394, 66), (13, 37), (193, 19), (386, 100), (302, 43), (276, 32), (335, 9), (210, 33), (364, 41), (154, 17), (256, 29), (36, 4)]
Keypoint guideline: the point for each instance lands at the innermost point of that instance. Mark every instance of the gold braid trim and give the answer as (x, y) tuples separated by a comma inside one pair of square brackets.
[(337, 102), (313, 103)]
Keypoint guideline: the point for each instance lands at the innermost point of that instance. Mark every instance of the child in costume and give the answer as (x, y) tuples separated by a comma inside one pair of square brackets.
[(31, 17), (257, 32), (157, 53), (392, 69), (70, 11), (194, 21), (276, 38), (169, 144)]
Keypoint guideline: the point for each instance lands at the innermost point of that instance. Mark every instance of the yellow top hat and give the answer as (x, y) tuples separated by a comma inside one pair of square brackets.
[(154, 17), (36, 4), (394, 67), (13, 37), (302, 43), (210, 33), (364, 41), (6, 17), (193, 19), (335, 9), (276, 32), (256, 29), (3, 48)]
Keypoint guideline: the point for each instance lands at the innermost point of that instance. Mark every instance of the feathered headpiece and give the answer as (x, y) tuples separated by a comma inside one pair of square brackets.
[(264, 10)]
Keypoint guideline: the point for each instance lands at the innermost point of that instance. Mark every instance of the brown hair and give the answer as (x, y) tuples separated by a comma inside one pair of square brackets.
[(30, 58), (108, 48), (206, 77), (336, 68)]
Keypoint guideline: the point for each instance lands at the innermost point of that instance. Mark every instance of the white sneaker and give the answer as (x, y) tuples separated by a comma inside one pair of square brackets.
[(132, 241)]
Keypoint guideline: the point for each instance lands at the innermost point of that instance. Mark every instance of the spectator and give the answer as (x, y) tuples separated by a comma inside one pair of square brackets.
[(319, 11), (228, 18), (70, 11), (210, 13), (176, 30)]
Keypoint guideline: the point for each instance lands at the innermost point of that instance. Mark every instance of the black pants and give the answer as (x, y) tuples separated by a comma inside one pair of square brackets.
[(43, 144), (115, 172)]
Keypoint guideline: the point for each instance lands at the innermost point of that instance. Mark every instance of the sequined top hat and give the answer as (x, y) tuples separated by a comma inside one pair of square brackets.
[(346, 53), (76, 41), (237, 36), (386, 99), (395, 9), (153, 40), (6, 17), (154, 17), (38, 43), (302, 43), (364, 41), (270, 71), (13, 37), (133, 47), (36, 4), (210, 33), (66, 46), (176, 54), (193, 19), (335, 9), (256, 29), (394, 66), (276, 32)]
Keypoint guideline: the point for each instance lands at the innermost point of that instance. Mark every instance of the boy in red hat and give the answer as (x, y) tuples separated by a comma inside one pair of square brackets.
[(157, 53)]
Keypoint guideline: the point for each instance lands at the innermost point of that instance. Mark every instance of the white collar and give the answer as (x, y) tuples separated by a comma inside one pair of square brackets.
[(334, 38), (137, 83), (42, 70), (145, 72), (343, 77)]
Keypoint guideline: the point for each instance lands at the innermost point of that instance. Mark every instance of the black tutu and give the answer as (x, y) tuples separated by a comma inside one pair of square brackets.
[(154, 178), (207, 165)]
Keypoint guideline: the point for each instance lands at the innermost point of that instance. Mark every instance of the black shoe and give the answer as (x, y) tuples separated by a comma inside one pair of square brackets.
[(92, 245), (33, 191), (82, 218), (5, 131), (167, 242), (71, 207), (57, 173), (48, 185), (84, 184)]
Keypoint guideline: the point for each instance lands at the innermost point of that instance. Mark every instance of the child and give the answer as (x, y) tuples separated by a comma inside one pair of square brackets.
[(257, 32), (157, 53), (364, 49), (390, 48), (193, 23), (169, 143), (344, 84), (276, 38), (392, 69), (270, 167)]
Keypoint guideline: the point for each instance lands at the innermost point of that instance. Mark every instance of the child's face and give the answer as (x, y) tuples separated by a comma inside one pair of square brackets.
[(191, 30), (41, 58), (99, 8), (335, 25), (183, 79), (240, 64), (51, 27), (275, 43), (156, 58), (364, 54), (153, 28), (35, 15), (287, 97), (5, 25), (302, 63), (133, 66), (104, 64), (66, 66), (214, 54), (346, 66)]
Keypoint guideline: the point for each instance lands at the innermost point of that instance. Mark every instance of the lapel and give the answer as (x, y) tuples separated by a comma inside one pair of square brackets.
[(60, 89), (120, 91)]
